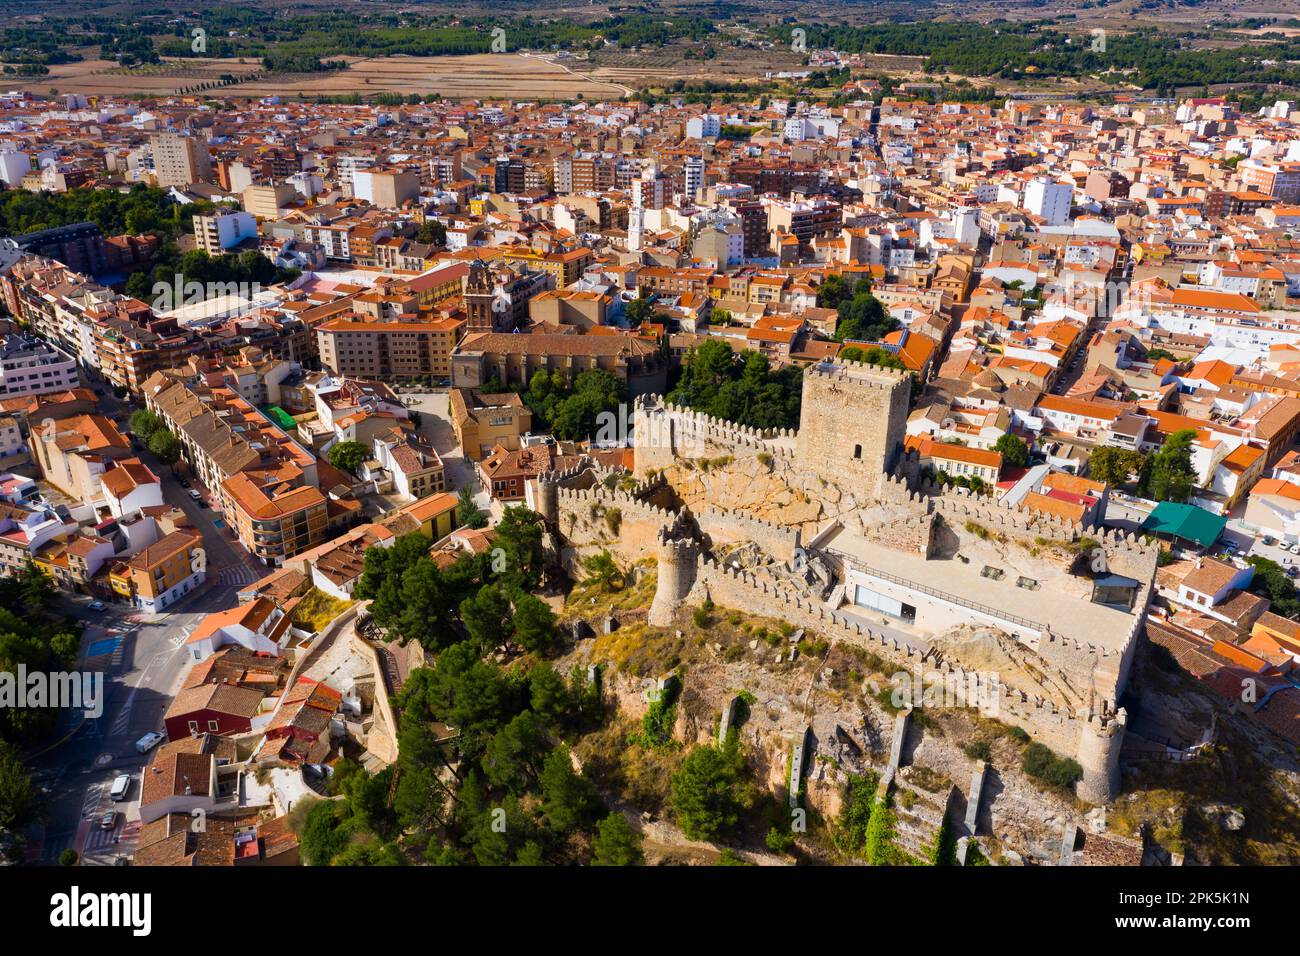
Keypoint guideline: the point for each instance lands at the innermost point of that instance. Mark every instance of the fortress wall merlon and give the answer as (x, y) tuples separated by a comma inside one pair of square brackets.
[(1091, 737)]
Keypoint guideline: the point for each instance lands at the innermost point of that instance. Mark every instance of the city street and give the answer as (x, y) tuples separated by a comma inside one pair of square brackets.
[(434, 409), (142, 672), (143, 659)]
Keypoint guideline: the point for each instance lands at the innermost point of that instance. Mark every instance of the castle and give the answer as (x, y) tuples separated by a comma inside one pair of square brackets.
[(854, 545)]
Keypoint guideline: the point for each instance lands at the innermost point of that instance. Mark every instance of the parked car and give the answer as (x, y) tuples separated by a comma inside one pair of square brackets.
[(196, 495), (1269, 541), (108, 820), (183, 482), (148, 741), (95, 606), (121, 787), (1292, 571)]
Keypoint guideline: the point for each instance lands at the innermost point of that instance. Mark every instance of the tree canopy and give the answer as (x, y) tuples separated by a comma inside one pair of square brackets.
[(348, 456), (863, 318), (1168, 474), (1013, 449), (741, 388)]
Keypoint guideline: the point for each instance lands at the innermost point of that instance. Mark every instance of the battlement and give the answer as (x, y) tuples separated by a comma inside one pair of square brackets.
[(679, 549), (1092, 736), (723, 525), (840, 627), (600, 495), (861, 373), (567, 474)]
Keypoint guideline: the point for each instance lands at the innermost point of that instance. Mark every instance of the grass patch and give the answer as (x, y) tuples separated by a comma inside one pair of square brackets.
[(1059, 772), (317, 609)]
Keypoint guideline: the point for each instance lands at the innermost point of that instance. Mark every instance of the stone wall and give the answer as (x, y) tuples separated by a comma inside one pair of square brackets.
[(722, 526), (665, 432), (583, 520), (1091, 737)]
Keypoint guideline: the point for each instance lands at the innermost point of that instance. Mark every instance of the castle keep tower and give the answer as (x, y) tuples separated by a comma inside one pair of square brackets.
[(852, 421), (677, 557), (1100, 739)]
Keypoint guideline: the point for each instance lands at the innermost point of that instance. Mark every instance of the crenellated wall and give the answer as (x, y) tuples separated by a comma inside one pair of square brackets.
[(666, 432), (722, 526), (1092, 737)]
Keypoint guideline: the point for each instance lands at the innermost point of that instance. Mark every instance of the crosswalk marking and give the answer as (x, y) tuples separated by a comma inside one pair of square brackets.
[(122, 721), (93, 796), (237, 575)]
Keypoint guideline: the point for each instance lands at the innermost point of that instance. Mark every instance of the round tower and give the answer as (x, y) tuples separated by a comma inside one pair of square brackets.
[(548, 500), (1100, 739), (677, 557)]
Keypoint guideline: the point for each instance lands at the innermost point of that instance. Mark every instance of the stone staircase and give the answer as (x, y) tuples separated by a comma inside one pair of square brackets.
[(918, 814)]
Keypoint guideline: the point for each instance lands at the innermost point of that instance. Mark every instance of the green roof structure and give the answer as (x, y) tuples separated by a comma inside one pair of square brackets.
[(1185, 521), (280, 417)]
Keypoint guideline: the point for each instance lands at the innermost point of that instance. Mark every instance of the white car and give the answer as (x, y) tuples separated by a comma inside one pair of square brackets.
[(95, 606), (121, 786), (195, 494), (148, 741)]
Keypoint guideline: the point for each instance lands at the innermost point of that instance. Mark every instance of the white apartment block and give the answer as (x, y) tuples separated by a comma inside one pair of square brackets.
[(1049, 200), (32, 366)]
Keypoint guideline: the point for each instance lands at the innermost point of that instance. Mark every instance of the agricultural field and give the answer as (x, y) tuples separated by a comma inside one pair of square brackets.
[(476, 76), (95, 77)]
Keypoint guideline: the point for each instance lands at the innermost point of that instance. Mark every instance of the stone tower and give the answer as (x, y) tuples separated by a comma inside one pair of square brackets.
[(677, 558), (548, 499), (1100, 739), (852, 422)]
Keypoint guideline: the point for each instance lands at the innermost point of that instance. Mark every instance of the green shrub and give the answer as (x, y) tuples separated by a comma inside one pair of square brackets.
[(1040, 762), (978, 750)]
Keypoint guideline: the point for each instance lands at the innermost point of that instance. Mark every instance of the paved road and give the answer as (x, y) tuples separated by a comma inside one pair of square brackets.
[(141, 677), (435, 424)]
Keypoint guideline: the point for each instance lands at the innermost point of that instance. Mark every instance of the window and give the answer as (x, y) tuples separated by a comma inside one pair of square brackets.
[(213, 726), (857, 451), (194, 726)]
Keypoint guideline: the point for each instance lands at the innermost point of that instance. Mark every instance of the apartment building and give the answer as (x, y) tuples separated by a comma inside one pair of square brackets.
[(223, 230), (358, 347), (73, 454), (32, 366), (274, 518), (180, 160), (269, 201), (386, 188), (222, 434), (416, 469), (163, 573)]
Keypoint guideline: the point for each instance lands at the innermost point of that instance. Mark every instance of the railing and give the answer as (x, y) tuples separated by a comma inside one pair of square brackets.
[(951, 598)]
